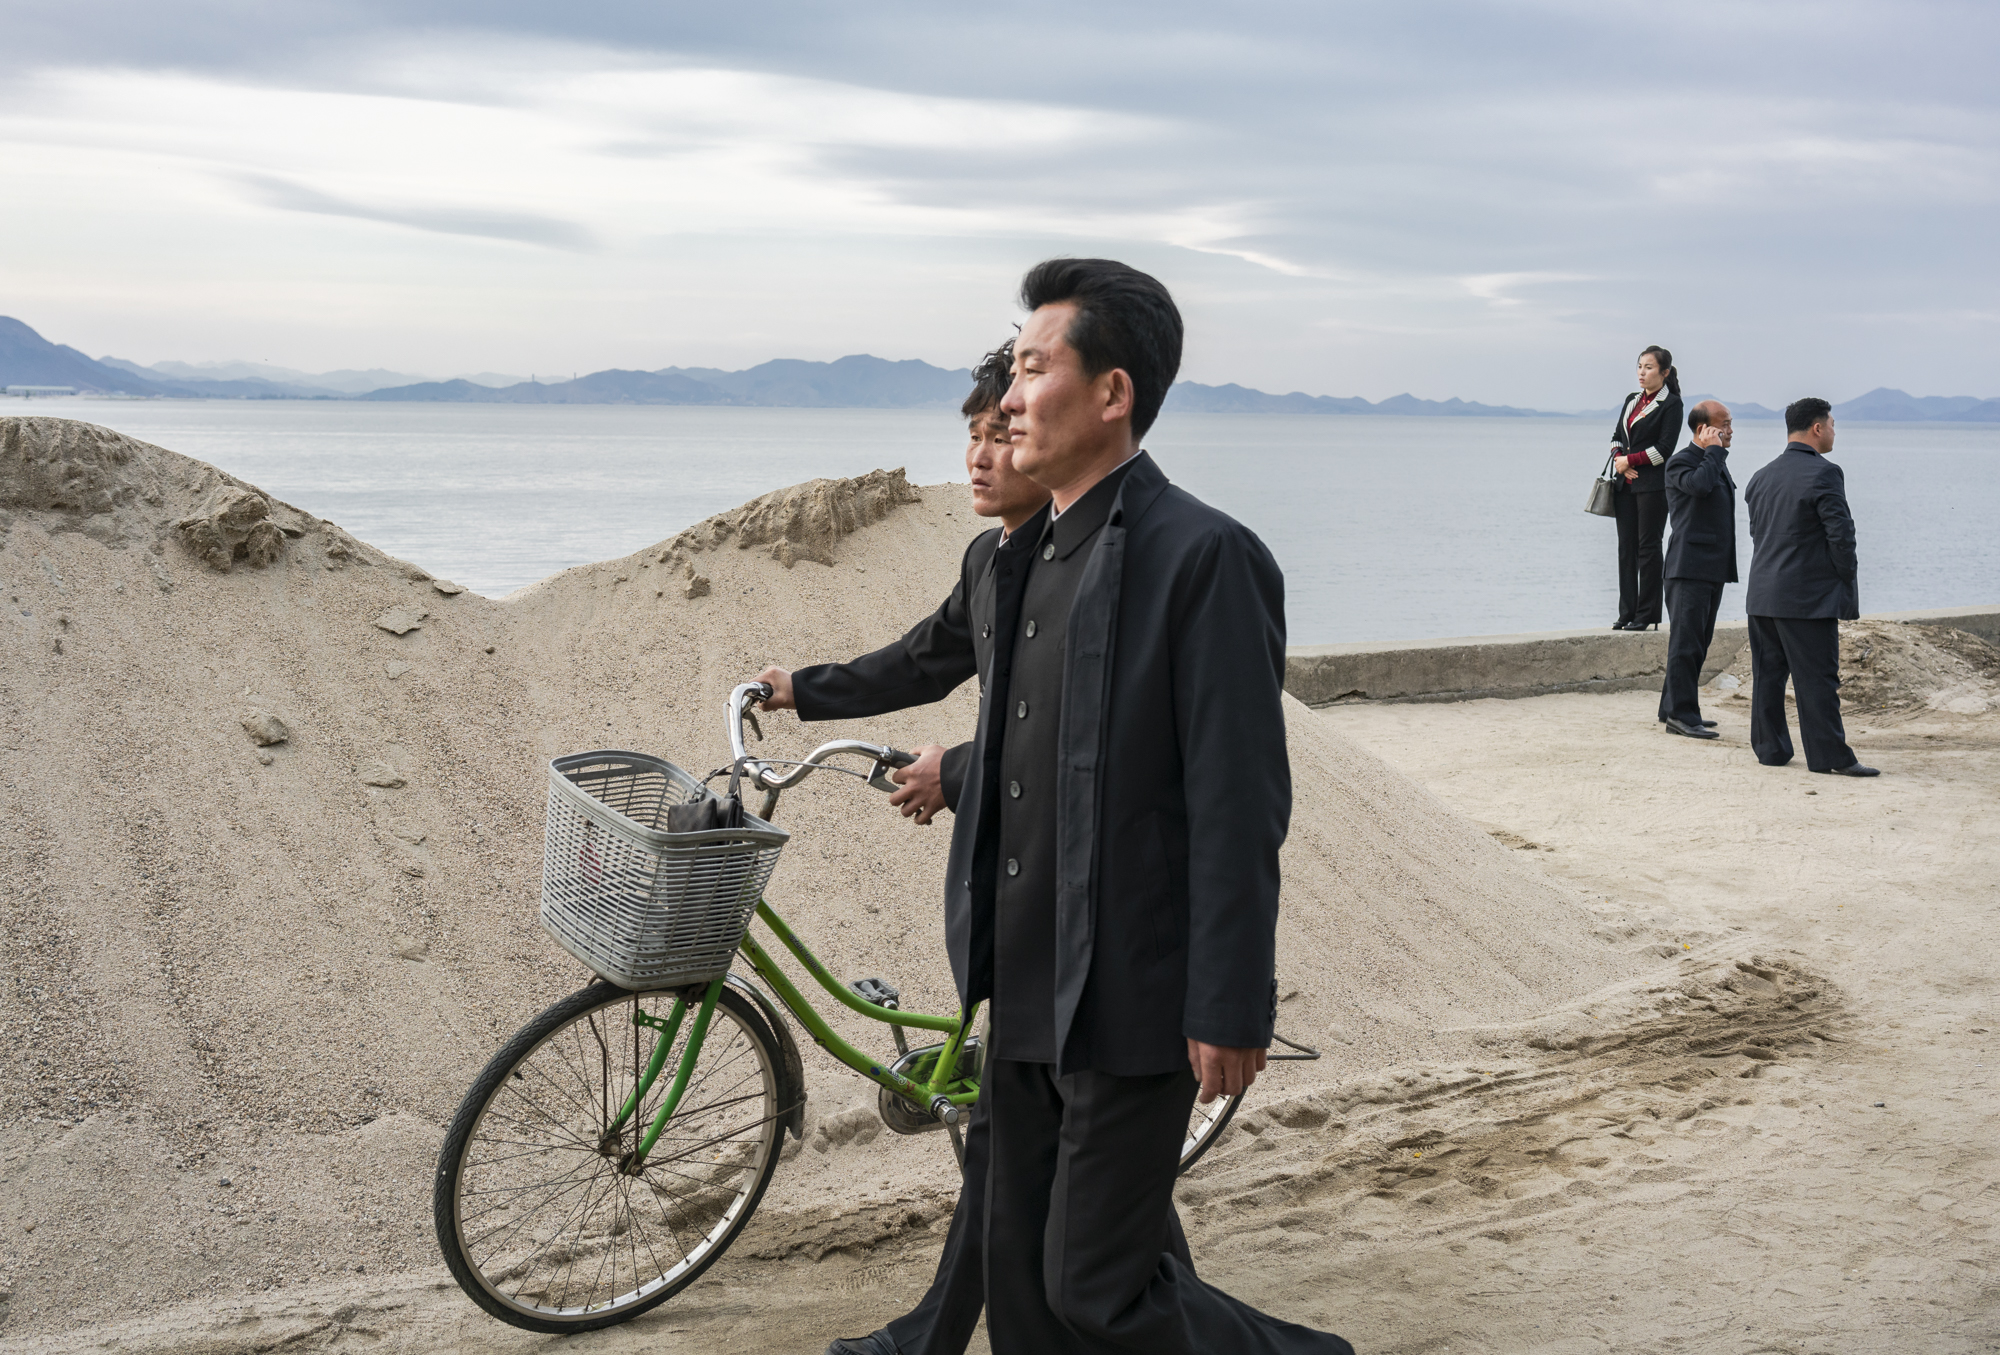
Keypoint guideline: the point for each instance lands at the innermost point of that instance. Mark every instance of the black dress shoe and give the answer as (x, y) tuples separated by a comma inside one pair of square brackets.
[(1618, 625), (1689, 731), (1851, 769), (1708, 724), (874, 1343)]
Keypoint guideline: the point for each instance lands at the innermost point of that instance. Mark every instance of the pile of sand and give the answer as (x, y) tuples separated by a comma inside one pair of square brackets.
[(272, 813), (1890, 668)]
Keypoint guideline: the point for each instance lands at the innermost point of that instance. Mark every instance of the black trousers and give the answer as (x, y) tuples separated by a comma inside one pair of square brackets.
[(1642, 524), (943, 1321), (1808, 652), (1083, 1249), (1691, 608)]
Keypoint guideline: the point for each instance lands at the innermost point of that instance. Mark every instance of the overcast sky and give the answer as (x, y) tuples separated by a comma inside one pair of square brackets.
[(1503, 202)]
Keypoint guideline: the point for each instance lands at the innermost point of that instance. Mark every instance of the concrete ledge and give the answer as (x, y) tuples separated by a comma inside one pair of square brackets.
[(1534, 664)]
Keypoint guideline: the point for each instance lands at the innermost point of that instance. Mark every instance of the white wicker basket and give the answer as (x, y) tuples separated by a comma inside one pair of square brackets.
[(643, 907)]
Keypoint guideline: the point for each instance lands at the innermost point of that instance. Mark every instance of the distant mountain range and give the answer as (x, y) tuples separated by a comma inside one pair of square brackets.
[(856, 382), (1194, 398)]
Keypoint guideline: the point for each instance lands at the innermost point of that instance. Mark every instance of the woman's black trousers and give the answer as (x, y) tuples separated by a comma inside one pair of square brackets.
[(1642, 524)]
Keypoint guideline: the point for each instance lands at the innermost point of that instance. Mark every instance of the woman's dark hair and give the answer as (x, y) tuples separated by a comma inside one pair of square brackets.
[(990, 380), (1666, 361), (1124, 319), (1803, 414)]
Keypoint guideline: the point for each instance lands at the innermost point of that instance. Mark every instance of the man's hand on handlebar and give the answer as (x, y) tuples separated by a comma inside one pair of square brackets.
[(922, 793), (779, 680)]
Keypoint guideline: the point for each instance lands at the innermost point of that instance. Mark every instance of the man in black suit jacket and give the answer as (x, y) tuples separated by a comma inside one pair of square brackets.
[(1701, 558), (1802, 586), (1126, 797)]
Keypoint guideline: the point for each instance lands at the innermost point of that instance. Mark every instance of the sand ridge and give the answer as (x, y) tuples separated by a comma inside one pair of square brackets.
[(245, 983)]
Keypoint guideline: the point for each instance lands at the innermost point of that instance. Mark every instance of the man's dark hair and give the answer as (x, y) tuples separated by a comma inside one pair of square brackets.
[(1124, 318), (1803, 414), (990, 380), (1698, 417)]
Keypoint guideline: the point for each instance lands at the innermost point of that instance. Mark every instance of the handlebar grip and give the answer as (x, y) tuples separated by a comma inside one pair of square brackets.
[(898, 758)]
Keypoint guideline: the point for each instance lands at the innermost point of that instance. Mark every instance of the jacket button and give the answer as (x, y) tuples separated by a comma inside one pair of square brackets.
[(1021, 711), (1014, 789), (1049, 551), (1031, 630), (1013, 866), (985, 631)]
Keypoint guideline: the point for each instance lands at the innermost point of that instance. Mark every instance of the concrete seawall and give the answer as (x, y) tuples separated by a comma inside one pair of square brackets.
[(1536, 664)]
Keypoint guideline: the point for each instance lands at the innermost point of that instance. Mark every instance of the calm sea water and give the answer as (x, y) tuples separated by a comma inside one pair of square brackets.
[(1387, 528)]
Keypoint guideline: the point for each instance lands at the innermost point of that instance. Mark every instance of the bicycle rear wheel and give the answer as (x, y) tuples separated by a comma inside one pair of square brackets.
[(540, 1213), (1205, 1126)]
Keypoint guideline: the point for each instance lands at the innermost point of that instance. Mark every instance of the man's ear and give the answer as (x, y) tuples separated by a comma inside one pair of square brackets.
[(1119, 396)]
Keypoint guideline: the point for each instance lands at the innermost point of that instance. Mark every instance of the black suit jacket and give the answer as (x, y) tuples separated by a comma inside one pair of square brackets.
[(1172, 782), (1702, 501), (1804, 562), (1655, 430)]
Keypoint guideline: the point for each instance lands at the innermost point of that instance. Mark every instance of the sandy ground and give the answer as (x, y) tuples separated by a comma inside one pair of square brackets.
[(1789, 1147), (1606, 1014)]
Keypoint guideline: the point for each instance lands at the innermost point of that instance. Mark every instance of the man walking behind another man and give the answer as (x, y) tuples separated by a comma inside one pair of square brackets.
[(1802, 586)]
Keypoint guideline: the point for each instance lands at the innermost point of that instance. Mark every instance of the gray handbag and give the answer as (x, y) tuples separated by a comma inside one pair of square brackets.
[(1600, 501)]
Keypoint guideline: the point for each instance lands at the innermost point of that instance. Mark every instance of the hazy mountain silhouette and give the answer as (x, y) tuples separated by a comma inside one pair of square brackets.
[(858, 381), (27, 359), (1195, 398)]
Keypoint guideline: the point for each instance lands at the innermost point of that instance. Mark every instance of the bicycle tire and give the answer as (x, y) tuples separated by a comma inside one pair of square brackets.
[(513, 1235), (1205, 1126)]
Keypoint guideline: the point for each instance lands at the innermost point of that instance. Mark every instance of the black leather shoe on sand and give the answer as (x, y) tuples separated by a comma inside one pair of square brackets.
[(874, 1343), (1690, 731), (1708, 724), (1851, 769)]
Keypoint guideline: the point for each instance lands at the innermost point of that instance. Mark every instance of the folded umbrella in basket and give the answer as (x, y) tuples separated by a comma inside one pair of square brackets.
[(709, 812)]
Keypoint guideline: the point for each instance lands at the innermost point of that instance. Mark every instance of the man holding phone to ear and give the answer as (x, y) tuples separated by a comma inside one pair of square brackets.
[(1701, 558)]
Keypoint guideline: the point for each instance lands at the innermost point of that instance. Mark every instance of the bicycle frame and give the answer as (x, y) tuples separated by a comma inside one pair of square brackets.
[(941, 1094)]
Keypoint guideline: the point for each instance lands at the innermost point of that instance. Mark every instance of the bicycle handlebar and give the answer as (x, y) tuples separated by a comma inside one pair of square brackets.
[(767, 778)]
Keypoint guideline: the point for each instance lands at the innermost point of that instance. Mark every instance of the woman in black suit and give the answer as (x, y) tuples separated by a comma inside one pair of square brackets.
[(1641, 442)]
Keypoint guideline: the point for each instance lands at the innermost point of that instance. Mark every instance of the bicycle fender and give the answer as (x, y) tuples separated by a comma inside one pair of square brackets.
[(793, 1068)]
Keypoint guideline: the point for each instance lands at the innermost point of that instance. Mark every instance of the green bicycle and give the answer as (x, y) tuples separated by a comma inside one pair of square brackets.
[(620, 1141)]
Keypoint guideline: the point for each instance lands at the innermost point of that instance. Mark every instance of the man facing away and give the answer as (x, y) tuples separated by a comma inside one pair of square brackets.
[(1802, 586), (1701, 558), (1120, 814), (942, 1323)]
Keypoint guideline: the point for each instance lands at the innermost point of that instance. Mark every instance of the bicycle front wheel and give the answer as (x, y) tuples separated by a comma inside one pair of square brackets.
[(544, 1216)]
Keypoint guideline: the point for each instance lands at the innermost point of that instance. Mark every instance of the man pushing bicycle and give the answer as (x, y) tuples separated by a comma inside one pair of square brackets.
[(1119, 810)]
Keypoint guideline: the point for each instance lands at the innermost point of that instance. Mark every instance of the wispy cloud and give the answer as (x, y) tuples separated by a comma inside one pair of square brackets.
[(486, 223)]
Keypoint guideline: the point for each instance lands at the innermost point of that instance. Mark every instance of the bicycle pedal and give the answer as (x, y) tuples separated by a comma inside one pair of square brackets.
[(878, 991)]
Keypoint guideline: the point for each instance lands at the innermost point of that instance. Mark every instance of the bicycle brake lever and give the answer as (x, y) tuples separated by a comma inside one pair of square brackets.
[(892, 759), (755, 728)]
